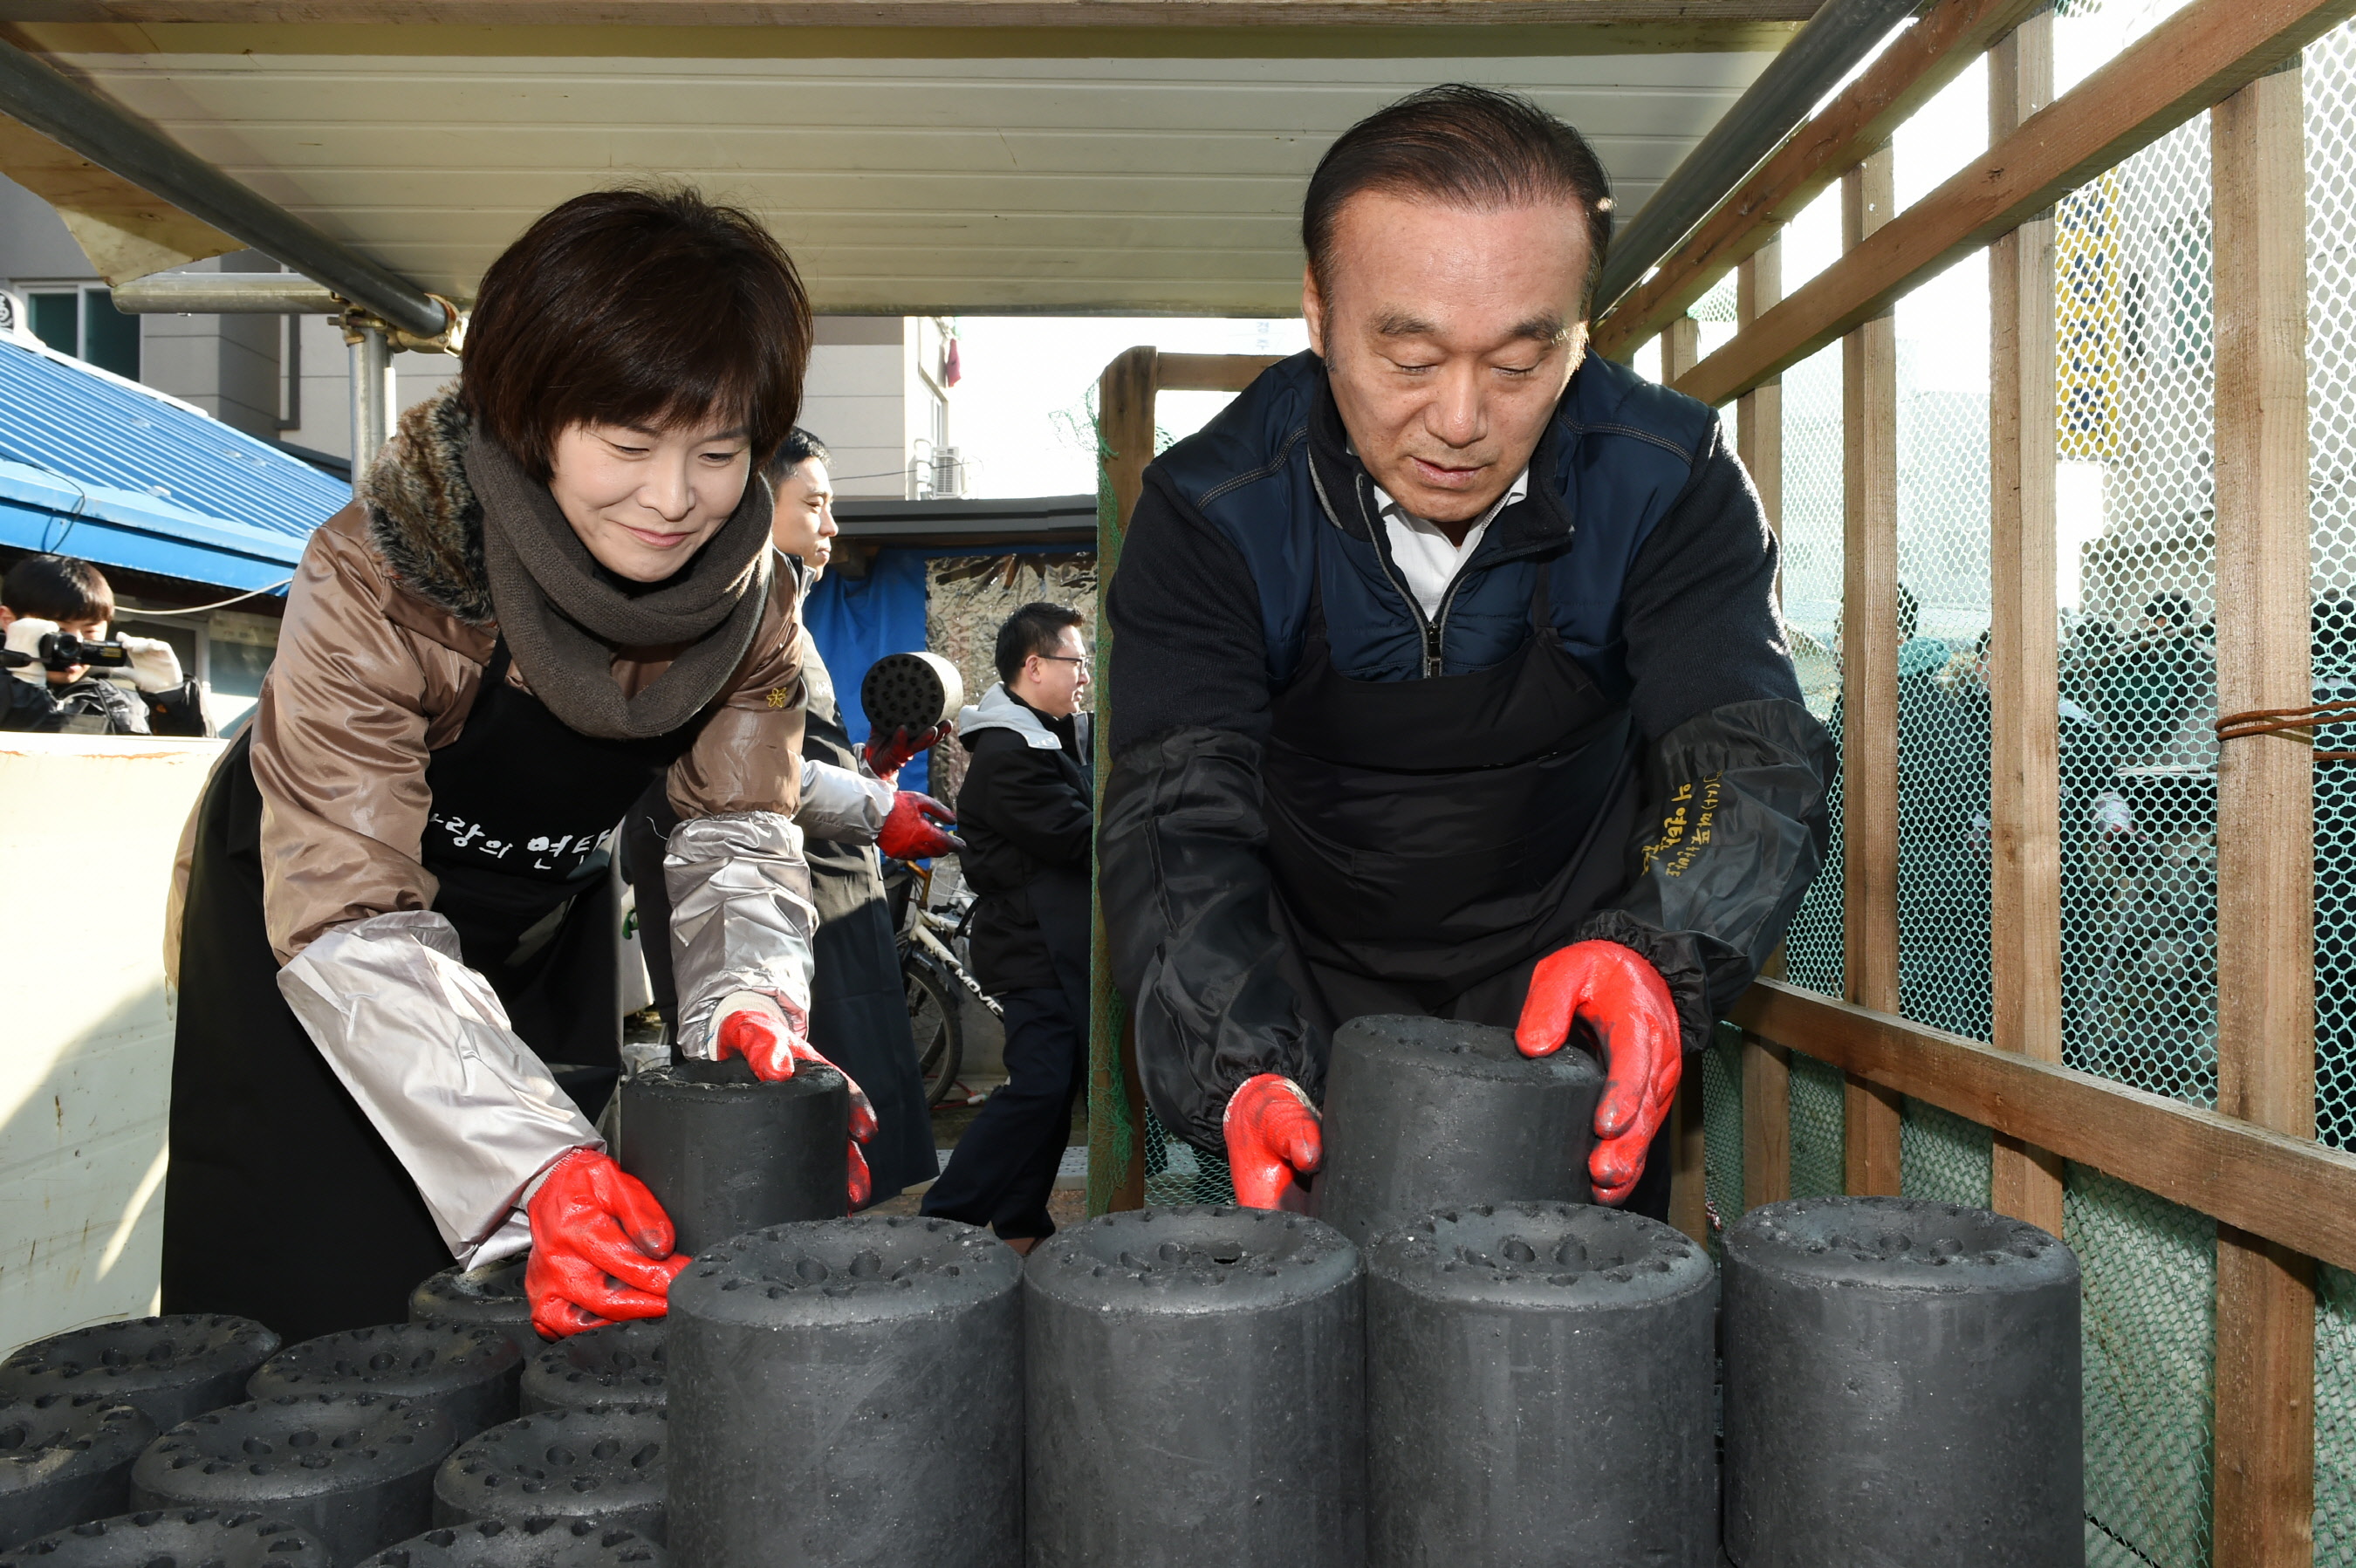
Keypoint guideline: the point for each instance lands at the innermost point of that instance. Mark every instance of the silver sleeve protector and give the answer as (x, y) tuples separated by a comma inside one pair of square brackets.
[(422, 1042), (840, 804), (741, 917)]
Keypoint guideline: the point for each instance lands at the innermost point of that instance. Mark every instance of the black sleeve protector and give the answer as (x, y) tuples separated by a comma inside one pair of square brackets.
[(1733, 831), (1182, 872)]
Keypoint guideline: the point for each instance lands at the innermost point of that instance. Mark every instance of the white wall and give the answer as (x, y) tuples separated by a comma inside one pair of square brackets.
[(34, 242), (89, 826), (852, 401), (225, 365), (326, 403)]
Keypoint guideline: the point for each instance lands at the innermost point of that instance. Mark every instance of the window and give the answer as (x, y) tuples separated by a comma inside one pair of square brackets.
[(84, 323)]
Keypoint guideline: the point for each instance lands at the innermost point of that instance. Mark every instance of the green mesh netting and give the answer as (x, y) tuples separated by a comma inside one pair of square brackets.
[(2149, 1300), (1111, 1138), (2335, 1418), (1175, 1171), (1818, 1119), (1943, 1157), (1721, 1099)]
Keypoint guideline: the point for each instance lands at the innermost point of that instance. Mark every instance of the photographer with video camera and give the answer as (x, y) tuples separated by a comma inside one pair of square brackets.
[(54, 610)]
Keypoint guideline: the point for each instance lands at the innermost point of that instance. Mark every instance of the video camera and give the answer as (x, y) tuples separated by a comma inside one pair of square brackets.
[(62, 651)]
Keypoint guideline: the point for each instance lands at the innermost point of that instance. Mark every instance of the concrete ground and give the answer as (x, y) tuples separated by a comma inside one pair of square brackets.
[(1068, 1204)]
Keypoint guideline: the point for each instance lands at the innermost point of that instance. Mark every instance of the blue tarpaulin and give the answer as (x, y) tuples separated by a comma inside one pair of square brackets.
[(857, 620), (97, 466)]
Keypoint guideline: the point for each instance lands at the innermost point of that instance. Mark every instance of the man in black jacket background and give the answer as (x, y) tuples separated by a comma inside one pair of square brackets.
[(1026, 811)]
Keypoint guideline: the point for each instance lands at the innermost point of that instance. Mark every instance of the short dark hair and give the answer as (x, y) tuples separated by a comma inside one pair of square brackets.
[(646, 305), (1033, 628), (799, 447), (1470, 146), (58, 588)]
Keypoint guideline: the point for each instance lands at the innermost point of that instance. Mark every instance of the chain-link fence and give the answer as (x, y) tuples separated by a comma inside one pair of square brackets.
[(2136, 385), (1812, 557), (2335, 1418), (2149, 1293), (2138, 657), (2330, 92), (2330, 84)]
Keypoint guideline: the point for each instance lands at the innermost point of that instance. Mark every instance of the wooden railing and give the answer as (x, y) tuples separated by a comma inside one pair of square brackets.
[(2280, 1199)]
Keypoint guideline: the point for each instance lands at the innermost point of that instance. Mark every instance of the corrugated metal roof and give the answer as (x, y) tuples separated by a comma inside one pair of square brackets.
[(998, 183), (95, 466)]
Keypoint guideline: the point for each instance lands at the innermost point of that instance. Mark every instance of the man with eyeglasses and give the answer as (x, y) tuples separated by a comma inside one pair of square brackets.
[(1027, 812)]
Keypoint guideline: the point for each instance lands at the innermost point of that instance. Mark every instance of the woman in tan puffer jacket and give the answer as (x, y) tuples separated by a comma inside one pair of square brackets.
[(554, 588)]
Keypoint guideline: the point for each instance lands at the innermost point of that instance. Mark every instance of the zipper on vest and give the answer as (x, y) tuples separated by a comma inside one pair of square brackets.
[(1438, 634), (1430, 633)]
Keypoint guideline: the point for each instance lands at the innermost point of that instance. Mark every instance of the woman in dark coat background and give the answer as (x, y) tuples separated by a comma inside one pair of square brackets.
[(851, 807)]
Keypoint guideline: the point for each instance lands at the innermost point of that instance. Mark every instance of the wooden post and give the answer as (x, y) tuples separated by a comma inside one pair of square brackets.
[(1689, 1181), (1766, 1121), (2024, 685), (1759, 412), (1869, 683), (1680, 348), (1759, 441), (1125, 394), (2266, 928)]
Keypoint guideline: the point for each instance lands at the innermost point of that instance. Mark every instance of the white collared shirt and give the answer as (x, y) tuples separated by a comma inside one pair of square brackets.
[(1425, 557)]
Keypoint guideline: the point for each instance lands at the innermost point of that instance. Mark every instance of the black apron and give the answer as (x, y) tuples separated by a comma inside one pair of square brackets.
[(1430, 840), (282, 1203)]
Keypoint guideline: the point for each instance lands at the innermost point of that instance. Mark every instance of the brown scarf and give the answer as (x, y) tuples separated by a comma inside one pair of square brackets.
[(564, 622)]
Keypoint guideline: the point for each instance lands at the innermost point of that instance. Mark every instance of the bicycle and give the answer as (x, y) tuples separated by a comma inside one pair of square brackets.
[(935, 978)]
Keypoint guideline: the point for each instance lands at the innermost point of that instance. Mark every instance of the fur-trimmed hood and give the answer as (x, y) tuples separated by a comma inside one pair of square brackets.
[(422, 516)]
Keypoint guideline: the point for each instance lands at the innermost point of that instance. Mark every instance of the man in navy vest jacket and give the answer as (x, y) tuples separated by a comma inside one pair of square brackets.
[(1446, 673)]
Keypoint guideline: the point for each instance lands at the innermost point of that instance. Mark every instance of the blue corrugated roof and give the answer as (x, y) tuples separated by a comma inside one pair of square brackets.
[(94, 466)]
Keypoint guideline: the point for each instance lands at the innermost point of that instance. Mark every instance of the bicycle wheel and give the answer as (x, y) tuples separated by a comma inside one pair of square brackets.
[(939, 1031)]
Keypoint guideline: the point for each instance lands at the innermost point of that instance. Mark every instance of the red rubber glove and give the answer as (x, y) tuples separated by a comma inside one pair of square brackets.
[(1273, 1140), (1624, 999), (601, 1248), (771, 1049), (908, 832), (887, 755)]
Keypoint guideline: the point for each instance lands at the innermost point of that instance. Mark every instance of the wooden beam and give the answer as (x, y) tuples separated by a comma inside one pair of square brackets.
[(2201, 55), (906, 13), (1680, 348), (2294, 1192), (1766, 1121), (127, 232), (1759, 441), (1212, 372), (1759, 412), (1920, 61), (1125, 394), (1870, 684), (1690, 1178), (2024, 684), (2264, 1499)]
